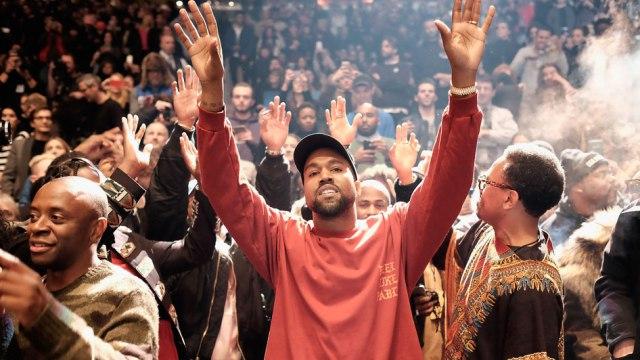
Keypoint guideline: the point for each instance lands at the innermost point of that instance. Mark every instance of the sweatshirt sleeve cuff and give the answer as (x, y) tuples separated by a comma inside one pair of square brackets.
[(56, 323), (209, 121), (463, 107)]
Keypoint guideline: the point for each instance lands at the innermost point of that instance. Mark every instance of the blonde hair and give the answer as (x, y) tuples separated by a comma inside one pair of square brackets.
[(39, 158)]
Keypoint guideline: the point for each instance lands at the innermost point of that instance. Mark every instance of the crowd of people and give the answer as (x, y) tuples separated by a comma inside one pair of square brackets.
[(313, 179)]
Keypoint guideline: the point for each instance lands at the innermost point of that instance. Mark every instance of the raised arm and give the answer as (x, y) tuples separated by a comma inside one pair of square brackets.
[(273, 178), (254, 225), (436, 202), (167, 197)]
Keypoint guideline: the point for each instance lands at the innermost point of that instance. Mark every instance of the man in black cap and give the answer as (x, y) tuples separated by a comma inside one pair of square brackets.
[(341, 285), (590, 187)]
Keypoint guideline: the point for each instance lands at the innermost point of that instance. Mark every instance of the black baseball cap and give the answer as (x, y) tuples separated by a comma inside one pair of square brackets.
[(313, 142)]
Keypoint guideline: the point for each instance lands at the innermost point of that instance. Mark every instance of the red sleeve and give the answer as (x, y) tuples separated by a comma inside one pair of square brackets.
[(436, 202), (254, 225)]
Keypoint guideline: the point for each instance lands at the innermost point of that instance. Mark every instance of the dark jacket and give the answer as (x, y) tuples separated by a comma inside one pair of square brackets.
[(618, 288), (169, 258), (562, 224), (579, 268), (167, 197), (198, 292)]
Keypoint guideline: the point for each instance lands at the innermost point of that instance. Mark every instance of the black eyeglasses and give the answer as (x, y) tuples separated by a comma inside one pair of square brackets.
[(483, 182)]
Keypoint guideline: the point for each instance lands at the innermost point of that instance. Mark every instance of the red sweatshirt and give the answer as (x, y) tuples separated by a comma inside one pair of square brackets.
[(346, 296)]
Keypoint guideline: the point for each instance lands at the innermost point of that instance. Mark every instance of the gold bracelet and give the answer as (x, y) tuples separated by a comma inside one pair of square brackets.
[(462, 91)]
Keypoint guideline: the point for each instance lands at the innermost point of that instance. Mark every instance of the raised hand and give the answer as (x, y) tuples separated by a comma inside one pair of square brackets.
[(190, 156), (185, 97), (274, 124), (464, 41), (134, 161), (338, 123), (404, 153), (97, 146), (22, 292), (205, 49)]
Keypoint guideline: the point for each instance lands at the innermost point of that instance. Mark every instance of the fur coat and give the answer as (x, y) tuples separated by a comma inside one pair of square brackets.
[(580, 263)]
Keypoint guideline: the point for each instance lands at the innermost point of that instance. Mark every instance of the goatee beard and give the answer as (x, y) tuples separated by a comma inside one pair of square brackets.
[(330, 210)]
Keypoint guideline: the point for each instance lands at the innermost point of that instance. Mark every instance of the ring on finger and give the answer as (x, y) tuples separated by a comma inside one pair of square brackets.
[(472, 22)]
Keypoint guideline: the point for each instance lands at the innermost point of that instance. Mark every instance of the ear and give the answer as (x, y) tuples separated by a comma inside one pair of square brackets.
[(99, 228), (358, 185), (511, 201)]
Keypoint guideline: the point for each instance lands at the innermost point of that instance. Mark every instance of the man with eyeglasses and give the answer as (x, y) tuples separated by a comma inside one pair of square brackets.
[(22, 150), (590, 187), (509, 303)]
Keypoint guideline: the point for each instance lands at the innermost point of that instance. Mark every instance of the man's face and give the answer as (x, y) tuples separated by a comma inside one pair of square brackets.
[(362, 93), (59, 228), (345, 83), (307, 119), (541, 41), (90, 91), (502, 31), (599, 187), (156, 134), (167, 44), (242, 99), (370, 119), (329, 186), (426, 95), (69, 62), (289, 147), (549, 74), (577, 37), (485, 93), (9, 115), (490, 206), (42, 122), (387, 49), (371, 201)]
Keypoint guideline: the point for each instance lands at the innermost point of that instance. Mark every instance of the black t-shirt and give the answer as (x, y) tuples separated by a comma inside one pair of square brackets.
[(395, 83), (37, 148), (108, 116)]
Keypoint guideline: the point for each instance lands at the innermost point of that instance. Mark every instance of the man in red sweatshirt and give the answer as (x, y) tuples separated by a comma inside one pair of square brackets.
[(341, 284)]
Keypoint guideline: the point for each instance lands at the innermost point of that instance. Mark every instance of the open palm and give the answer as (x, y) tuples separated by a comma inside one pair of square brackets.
[(404, 152), (203, 42), (464, 41), (185, 96), (338, 124), (274, 124)]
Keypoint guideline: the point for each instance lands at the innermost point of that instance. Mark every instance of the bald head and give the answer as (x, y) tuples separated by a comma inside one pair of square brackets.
[(82, 191)]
